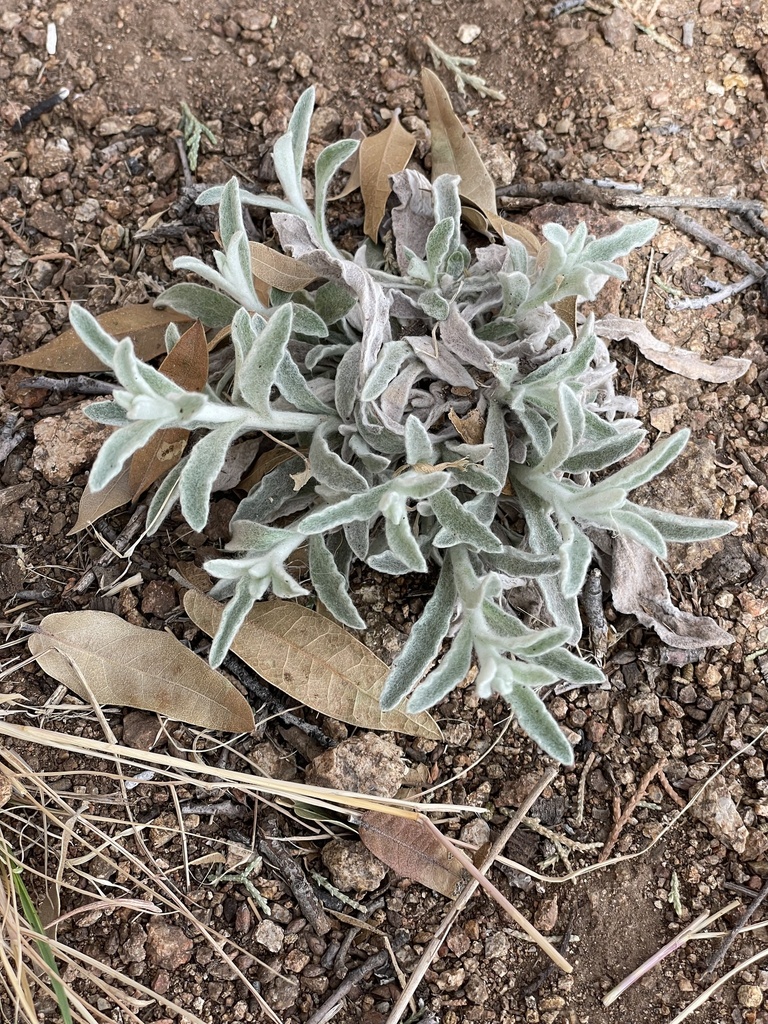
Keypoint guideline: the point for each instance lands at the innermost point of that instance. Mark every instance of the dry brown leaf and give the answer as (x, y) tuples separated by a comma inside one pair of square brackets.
[(314, 661), (187, 365), (266, 463), (518, 232), (566, 310), (140, 322), (406, 846), (276, 270), (95, 504), (471, 428), (139, 668), (382, 154), (453, 152)]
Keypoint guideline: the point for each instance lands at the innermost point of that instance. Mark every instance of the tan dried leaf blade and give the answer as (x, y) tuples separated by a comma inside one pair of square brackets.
[(276, 270), (266, 462), (314, 661), (95, 504), (187, 365), (406, 846), (453, 152), (381, 155), (139, 668), (141, 322)]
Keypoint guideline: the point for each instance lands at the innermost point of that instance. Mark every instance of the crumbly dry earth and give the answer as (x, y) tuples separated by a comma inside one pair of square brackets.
[(587, 95)]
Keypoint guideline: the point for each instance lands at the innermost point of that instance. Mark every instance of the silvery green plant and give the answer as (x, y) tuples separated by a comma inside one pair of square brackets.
[(378, 372)]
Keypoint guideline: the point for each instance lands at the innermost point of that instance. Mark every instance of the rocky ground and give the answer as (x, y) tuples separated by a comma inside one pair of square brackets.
[(589, 94)]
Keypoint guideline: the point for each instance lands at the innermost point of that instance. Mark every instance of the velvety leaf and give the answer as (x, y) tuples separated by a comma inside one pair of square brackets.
[(381, 155), (140, 668), (187, 365), (533, 718), (409, 848), (314, 661), (144, 324), (276, 270), (453, 152)]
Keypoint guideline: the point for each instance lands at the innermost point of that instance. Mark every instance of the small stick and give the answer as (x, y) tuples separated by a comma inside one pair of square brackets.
[(243, 675), (39, 109), (15, 236), (719, 955), (723, 292), (701, 999), (464, 897), (713, 242), (309, 904), (121, 544), (605, 193), (8, 438), (679, 940), (632, 803), (373, 962), (189, 180), (80, 385)]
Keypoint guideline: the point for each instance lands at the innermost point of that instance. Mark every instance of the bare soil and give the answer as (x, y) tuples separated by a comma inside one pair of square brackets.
[(587, 95)]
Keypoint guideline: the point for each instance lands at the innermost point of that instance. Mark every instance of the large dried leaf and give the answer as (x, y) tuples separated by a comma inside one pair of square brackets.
[(95, 504), (672, 357), (639, 588), (381, 155), (139, 668), (276, 270), (410, 849), (314, 661), (453, 152), (187, 365), (144, 324)]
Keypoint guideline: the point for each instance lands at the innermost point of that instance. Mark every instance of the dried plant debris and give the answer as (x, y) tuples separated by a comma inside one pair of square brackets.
[(193, 130), (454, 421)]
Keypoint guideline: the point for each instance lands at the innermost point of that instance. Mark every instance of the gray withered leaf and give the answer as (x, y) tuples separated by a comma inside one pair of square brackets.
[(639, 588)]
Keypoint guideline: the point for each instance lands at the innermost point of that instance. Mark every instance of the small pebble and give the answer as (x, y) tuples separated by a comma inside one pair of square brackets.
[(621, 140), (468, 33), (749, 996)]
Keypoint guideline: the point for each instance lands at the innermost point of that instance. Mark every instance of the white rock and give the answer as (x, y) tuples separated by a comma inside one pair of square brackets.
[(468, 33)]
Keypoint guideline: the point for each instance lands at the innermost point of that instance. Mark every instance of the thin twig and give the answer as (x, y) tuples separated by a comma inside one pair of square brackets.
[(244, 675), (15, 237), (606, 193), (723, 292), (357, 975), (121, 545), (9, 437), (310, 906), (719, 955), (80, 385), (713, 242), (464, 897), (701, 999)]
